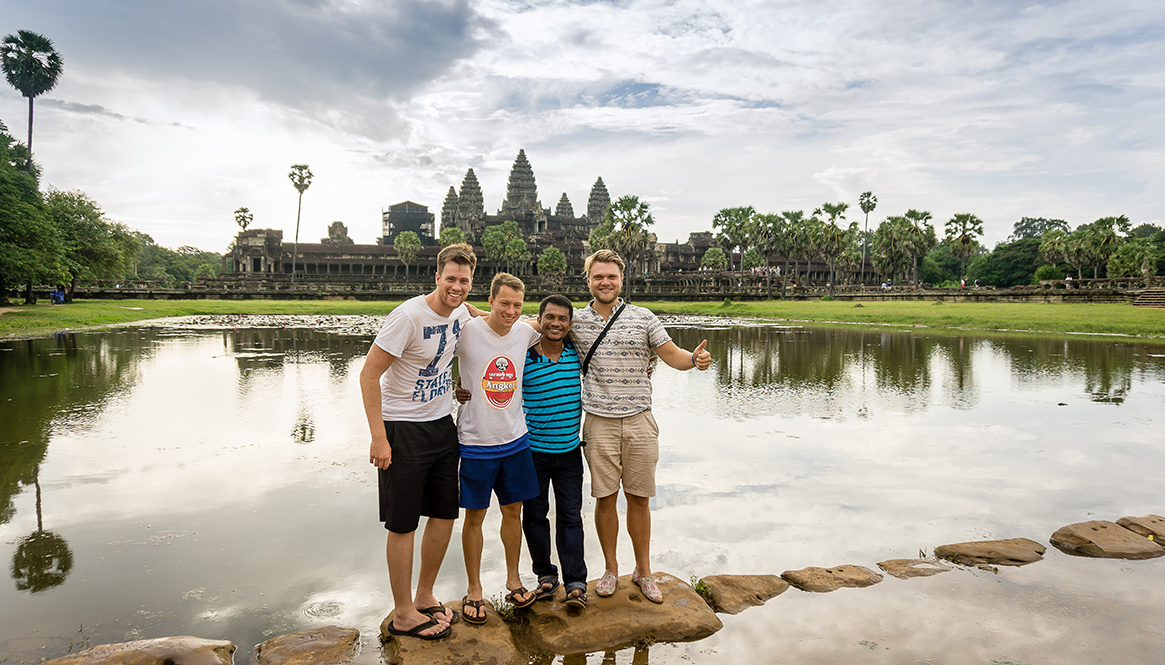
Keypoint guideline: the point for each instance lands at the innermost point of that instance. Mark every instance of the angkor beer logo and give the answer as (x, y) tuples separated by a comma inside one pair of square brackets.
[(499, 381)]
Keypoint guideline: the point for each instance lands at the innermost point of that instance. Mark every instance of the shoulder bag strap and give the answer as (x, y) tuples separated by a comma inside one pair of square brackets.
[(611, 321)]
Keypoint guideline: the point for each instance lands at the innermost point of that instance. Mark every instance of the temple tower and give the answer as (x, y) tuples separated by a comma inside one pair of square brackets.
[(470, 206), (564, 209), (449, 209), (598, 202), (521, 186)]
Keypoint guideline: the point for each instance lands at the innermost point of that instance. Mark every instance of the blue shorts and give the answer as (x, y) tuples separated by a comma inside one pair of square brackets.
[(513, 478)]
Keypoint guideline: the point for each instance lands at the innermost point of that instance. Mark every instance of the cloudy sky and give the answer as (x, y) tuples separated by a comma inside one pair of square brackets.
[(173, 114)]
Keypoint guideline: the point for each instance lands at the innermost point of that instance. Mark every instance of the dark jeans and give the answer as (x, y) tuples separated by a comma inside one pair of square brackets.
[(565, 471)]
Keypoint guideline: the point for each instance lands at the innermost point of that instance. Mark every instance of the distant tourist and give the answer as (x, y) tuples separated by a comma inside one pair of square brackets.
[(407, 388)]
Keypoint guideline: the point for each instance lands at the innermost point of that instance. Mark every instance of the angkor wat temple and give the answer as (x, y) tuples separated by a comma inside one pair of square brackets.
[(263, 252)]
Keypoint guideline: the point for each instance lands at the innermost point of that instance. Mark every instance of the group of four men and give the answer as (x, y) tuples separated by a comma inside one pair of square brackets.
[(517, 433)]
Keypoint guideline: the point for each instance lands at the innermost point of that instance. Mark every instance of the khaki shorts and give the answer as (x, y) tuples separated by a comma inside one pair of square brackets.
[(621, 450)]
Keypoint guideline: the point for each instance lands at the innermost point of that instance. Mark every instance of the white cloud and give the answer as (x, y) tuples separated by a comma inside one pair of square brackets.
[(173, 115)]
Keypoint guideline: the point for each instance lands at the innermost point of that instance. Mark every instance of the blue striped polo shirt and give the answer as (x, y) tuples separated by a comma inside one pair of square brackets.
[(552, 399)]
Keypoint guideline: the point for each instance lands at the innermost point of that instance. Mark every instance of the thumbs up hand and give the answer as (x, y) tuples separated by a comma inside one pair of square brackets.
[(701, 358)]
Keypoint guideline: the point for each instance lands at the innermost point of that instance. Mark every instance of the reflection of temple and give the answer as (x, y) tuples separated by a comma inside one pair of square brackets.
[(262, 252)]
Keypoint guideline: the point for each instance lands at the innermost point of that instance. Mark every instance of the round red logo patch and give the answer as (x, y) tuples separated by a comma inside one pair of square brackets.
[(499, 381)]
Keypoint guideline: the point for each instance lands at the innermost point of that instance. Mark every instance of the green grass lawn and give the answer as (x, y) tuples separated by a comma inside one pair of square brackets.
[(1110, 319)]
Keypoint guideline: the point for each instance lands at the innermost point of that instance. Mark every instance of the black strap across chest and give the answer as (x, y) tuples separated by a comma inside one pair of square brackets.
[(611, 321)]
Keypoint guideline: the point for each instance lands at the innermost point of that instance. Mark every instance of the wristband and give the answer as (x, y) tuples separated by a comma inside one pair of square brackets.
[(693, 360)]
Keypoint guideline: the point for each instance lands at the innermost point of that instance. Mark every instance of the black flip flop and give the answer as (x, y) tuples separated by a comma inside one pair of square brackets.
[(416, 630), (440, 609)]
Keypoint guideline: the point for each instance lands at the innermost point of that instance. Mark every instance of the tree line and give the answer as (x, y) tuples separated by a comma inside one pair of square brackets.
[(907, 248)]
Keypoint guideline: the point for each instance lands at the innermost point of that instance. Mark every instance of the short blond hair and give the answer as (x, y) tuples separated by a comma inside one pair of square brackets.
[(505, 279), (459, 253), (603, 256)]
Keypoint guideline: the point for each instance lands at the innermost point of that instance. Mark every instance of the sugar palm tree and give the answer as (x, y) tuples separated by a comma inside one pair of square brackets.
[(32, 66), (243, 217), (961, 231), (300, 176), (867, 202)]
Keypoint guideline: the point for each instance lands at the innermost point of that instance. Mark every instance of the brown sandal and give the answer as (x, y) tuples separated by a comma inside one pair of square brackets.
[(512, 597), (478, 605)]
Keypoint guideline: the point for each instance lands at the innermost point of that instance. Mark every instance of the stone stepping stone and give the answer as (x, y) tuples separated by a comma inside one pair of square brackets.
[(623, 619), (733, 594), (490, 642), (1010, 552), (824, 580), (905, 569), (1104, 539), (160, 651), (1149, 526), (329, 645)]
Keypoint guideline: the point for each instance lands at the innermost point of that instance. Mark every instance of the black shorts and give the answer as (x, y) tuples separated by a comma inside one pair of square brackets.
[(422, 479)]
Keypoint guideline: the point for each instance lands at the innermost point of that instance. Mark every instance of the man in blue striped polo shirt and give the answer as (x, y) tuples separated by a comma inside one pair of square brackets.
[(552, 399)]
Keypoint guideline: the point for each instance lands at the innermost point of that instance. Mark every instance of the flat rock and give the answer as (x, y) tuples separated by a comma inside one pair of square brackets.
[(1149, 526), (823, 580), (161, 651), (733, 594), (329, 645), (1104, 539), (624, 619), (488, 644), (1010, 552), (905, 569)]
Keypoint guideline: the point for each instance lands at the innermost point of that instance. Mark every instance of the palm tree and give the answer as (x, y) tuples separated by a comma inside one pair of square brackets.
[(867, 202), (961, 231), (921, 237), (732, 224), (32, 66), (243, 217), (301, 179), (625, 230), (834, 239)]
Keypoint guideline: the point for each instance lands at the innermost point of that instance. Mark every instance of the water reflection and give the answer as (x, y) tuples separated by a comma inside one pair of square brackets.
[(831, 372), (216, 483)]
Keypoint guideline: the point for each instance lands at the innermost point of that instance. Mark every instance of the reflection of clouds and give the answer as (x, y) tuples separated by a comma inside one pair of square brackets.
[(180, 482)]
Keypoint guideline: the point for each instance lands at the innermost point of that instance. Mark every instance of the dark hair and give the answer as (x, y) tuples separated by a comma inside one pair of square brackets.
[(556, 299)]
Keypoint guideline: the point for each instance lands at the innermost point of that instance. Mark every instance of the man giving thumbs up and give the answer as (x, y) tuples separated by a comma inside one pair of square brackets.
[(620, 434)]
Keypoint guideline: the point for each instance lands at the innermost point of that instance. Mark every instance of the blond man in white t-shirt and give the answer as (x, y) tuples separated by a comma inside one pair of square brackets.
[(495, 446)]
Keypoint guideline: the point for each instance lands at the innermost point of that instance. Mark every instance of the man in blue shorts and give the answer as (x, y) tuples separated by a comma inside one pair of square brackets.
[(495, 447), (406, 385), (552, 399)]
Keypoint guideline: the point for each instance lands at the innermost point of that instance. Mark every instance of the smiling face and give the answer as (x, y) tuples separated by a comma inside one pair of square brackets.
[(556, 322), (505, 307), (453, 284), (605, 281)]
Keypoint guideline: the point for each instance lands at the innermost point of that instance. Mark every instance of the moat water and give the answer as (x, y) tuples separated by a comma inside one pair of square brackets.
[(209, 477)]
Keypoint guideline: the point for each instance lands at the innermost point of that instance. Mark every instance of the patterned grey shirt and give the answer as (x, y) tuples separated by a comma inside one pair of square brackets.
[(617, 383)]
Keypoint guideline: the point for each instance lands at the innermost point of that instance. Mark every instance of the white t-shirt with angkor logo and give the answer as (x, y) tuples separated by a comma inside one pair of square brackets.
[(491, 370)]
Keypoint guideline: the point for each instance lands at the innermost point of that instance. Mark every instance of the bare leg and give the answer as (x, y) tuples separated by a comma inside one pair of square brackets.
[(511, 534), (471, 544), (399, 552), (434, 543), (639, 528), (607, 526)]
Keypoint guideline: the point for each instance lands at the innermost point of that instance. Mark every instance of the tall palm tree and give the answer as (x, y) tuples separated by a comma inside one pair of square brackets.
[(301, 179), (921, 237), (867, 202), (32, 66), (961, 231)]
